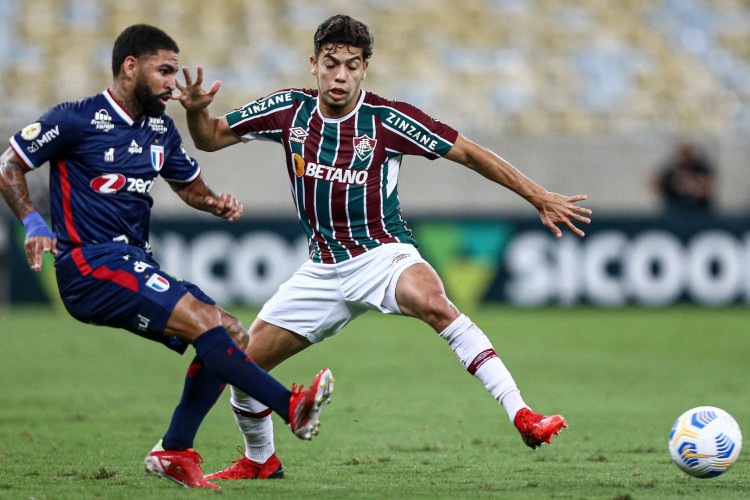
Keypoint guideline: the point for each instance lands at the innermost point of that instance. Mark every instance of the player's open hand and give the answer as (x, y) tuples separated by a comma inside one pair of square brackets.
[(558, 209), (225, 206), (192, 95), (35, 247)]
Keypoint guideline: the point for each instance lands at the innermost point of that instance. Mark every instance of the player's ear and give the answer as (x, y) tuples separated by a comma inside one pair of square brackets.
[(364, 72), (313, 66), (129, 67)]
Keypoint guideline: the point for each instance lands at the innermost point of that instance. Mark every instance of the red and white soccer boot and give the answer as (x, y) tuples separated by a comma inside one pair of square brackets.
[(244, 468), (536, 429), (182, 467), (304, 406)]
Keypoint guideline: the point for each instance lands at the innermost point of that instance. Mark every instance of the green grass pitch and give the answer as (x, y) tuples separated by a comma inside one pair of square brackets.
[(80, 406)]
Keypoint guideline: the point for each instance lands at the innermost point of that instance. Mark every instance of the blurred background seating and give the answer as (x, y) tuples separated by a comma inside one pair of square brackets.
[(530, 72)]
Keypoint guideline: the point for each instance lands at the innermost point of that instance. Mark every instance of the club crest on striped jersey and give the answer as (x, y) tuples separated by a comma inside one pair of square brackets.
[(157, 157), (363, 146), (158, 283)]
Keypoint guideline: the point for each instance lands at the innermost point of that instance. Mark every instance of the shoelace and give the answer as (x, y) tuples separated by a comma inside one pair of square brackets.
[(198, 456), (239, 450)]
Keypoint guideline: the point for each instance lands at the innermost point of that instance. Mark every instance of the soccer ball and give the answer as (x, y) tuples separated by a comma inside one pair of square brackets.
[(705, 441)]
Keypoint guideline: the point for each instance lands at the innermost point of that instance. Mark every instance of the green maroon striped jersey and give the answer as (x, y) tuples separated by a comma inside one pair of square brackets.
[(344, 171)]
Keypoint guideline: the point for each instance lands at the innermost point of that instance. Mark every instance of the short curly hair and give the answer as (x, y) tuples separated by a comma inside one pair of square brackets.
[(140, 40), (342, 30)]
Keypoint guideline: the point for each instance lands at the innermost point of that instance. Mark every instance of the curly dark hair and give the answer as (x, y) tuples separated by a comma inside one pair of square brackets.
[(341, 31), (140, 40)]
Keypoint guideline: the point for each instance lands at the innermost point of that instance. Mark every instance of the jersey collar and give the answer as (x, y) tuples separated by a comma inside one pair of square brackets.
[(348, 115), (117, 107)]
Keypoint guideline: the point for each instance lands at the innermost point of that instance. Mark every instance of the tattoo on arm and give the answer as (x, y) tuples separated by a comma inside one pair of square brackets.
[(194, 193), (13, 184)]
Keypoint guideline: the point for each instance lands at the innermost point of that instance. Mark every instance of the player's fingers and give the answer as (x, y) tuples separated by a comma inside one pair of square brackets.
[(573, 229), (580, 218), (199, 76), (581, 210), (220, 207), (188, 78), (29, 257), (214, 88), (53, 249), (578, 197), (34, 254), (235, 212), (551, 225)]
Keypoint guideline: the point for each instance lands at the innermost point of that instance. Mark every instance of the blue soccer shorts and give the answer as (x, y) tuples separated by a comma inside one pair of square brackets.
[(122, 286)]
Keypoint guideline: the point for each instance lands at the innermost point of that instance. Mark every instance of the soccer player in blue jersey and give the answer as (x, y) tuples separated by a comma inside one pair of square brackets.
[(344, 147), (105, 153)]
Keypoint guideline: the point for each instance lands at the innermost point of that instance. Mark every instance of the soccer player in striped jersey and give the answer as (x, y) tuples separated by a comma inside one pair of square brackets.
[(105, 153), (344, 147)]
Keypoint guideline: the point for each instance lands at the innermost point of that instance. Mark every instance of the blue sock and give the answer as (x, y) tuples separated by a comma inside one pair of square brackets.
[(221, 355), (202, 390)]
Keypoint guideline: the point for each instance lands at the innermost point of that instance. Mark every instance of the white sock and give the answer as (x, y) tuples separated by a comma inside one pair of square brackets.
[(474, 350), (255, 423)]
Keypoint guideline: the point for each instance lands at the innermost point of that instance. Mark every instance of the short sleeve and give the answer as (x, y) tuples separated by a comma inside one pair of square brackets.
[(179, 166), (55, 133)]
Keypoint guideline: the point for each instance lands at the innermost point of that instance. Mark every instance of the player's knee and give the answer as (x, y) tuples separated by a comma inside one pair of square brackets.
[(191, 318), (437, 311)]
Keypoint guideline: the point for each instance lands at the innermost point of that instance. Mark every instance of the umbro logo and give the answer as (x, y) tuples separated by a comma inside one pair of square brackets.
[(297, 134)]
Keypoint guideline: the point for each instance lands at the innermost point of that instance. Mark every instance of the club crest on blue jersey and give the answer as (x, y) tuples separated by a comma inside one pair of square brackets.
[(157, 157), (363, 146), (158, 283)]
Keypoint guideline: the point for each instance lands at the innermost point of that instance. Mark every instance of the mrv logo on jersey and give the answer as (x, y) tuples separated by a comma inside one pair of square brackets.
[(32, 133), (112, 183)]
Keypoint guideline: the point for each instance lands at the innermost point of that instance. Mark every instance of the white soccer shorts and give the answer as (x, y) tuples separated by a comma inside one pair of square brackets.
[(320, 299)]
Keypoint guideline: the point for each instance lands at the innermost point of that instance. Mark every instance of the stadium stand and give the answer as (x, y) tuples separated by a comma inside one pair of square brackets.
[(535, 71), (561, 67)]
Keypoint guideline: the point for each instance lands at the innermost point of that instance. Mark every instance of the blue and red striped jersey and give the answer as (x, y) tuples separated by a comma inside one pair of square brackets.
[(103, 165), (344, 171)]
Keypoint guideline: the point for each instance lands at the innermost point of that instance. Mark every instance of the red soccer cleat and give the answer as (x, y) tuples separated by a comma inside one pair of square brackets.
[(182, 467), (244, 468), (304, 406), (536, 429)]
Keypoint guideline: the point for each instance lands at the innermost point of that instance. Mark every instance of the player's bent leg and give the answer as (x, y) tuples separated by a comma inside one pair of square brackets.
[(222, 356), (304, 409), (269, 346), (420, 293)]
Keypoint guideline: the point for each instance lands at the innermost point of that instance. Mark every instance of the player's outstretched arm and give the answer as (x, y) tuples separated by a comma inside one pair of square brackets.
[(15, 191), (553, 208), (198, 195), (209, 133)]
